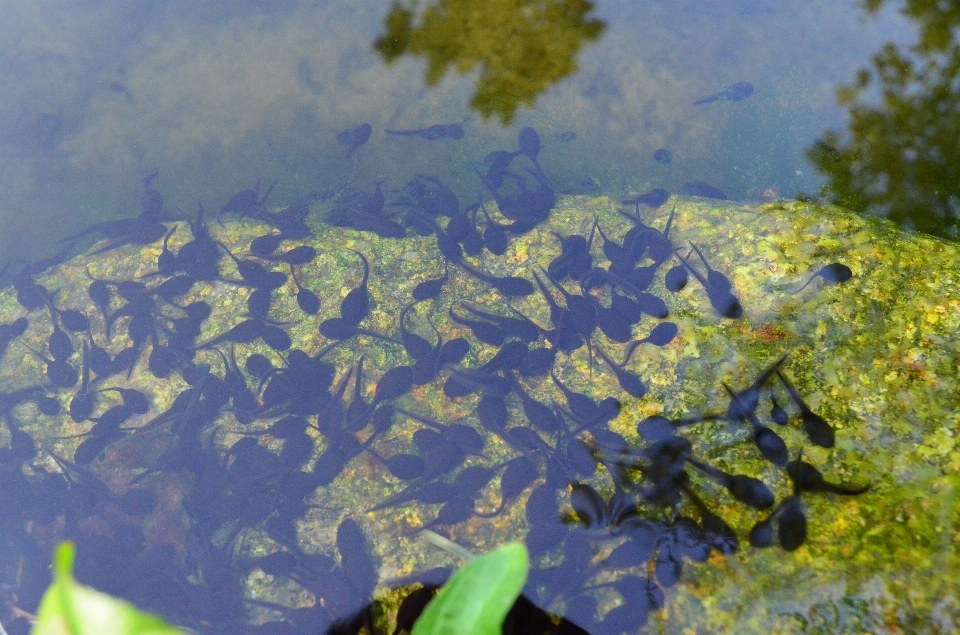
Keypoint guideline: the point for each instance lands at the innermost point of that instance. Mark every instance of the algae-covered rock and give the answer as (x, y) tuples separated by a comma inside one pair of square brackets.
[(876, 356)]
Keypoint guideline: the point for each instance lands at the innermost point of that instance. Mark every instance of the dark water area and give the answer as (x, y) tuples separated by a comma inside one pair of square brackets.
[(287, 285)]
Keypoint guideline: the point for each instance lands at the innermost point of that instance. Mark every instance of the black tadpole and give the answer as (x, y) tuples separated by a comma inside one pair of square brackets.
[(834, 272), (11, 331), (819, 431), (746, 489), (266, 244), (508, 285), (60, 345), (486, 332), (676, 279), (415, 346), (723, 302), (494, 235), (167, 261), (769, 443), (714, 278), (429, 289), (252, 272), (748, 399), (777, 412), (356, 305), (59, 372), (627, 380), (661, 335), (353, 138), (99, 293), (307, 300), (83, 402), (807, 478), (300, 255), (530, 145), (520, 327)]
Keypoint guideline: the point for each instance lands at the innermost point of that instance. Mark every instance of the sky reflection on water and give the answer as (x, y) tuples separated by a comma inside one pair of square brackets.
[(216, 99)]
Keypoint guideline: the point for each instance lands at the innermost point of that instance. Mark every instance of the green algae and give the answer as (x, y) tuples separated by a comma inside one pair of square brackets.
[(876, 356)]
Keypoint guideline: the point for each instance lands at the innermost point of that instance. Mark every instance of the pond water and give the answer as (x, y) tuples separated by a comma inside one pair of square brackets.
[(290, 286)]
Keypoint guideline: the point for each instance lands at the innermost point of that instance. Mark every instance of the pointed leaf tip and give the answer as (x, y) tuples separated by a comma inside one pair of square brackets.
[(69, 608), (63, 560), (477, 598)]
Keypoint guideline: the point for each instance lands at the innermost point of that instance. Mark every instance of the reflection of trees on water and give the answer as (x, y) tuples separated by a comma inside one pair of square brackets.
[(522, 46), (901, 155)]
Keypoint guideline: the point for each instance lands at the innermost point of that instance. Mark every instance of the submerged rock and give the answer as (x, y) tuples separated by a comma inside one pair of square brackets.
[(876, 356)]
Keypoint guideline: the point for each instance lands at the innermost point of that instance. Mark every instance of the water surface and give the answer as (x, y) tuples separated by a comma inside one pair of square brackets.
[(366, 122)]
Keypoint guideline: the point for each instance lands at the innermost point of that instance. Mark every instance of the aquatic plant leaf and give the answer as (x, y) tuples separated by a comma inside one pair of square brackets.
[(477, 597), (68, 608)]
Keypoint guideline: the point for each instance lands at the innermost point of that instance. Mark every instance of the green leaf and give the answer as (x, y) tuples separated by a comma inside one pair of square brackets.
[(476, 599), (68, 608)]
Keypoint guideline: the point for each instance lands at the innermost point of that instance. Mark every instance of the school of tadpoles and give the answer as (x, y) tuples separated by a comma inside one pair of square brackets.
[(648, 516)]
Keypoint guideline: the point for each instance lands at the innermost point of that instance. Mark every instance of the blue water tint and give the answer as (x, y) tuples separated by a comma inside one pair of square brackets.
[(450, 272), (216, 99)]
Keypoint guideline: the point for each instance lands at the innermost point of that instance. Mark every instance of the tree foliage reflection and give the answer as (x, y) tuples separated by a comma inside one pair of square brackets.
[(901, 154), (522, 46)]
